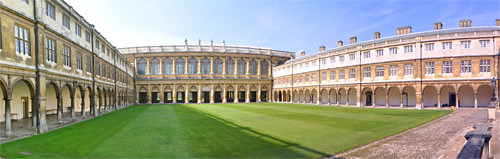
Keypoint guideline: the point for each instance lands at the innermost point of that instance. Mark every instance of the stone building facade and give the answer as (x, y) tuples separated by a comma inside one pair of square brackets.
[(203, 73), (54, 62), (441, 67)]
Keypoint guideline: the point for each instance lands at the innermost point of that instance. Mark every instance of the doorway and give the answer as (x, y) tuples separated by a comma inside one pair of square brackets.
[(368, 98), (205, 97), (452, 100), (143, 97), (230, 96), (26, 108), (167, 97), (193, 97), (241, 96)]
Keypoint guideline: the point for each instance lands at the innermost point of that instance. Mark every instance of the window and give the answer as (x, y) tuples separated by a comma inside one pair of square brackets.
[(205, 66), (323, 76), (366, 55), (104, 70), (352, 73), (155, 66), (307, 64), (50, 10), (447, 45), (66, 56), (352, 57), (465, 66), (367, 72), (97, 43), (380, 52), (323, 61), (379, 71), (193, 66), (393, 70), (79, 64), (87, 36), (313, 64), (465, 44), (218, 66), (341, 58), (408, 49), (264, 67), (109, 72), (167, 66), (241, 67), (252, 67), (78, 30), (97, 69), (288, 80), (65, 21), (50, 50), (447, 67), (484, 66), (103, 49), (88, 64), (141, 67), (332, 60), (393, 50), (301, 79), (429, 47), (332, 75), (342, 74), (179, 66), (307, 78), (313, 78), (230, 66), (21, 40), (408, 69), (429, 68), (484, 43)]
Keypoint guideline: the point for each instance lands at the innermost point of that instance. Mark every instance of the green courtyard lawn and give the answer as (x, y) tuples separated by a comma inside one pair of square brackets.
[(264, 130)]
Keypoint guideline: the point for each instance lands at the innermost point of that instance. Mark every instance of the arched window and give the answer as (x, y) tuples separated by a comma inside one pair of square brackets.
[(193, 66), (167, 66), (242, 67), (179, 66), (155, 66), (252, 67), (141, 67), (229, 66), (218, 66), (205, 66), (263, 67)]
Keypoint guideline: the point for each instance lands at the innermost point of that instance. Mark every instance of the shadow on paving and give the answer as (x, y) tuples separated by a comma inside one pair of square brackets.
[(290, 145)]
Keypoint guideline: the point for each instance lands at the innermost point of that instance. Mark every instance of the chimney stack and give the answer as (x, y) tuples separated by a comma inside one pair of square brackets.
[(322, 48), (376, 35), (403, 30), (438, 26), (303, 53), (353, 40), (498, 22), (465, 23), (340, 43)]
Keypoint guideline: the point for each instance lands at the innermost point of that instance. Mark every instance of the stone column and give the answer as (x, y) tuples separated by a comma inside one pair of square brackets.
[(100, 103), (247, 93), (359, 102), (162, 96), (148, 67), (186, 61), (186, 96), (456, 100), (235, 66), (94, 108), (8, 126), (401, 100), (224, 100), (173, 66), (148, 92), (236, 90), (174, 94), (259, 92), (347, 98), (211, 66), (439, 100), (246, 68), (318, 97), (59, 109), (475, 100), (387, 99), (258, 67), (33, 107), (373, 98), (160, 69), (105, 103), (212, 94), (83, 104), (199, 93), (224, 68)]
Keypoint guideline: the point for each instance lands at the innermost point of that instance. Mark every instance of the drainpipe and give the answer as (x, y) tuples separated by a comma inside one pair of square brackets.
[(92, 101), (421, 81), (37, 78)]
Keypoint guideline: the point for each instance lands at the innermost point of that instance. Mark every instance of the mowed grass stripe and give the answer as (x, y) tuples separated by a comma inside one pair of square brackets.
[(322, 132)]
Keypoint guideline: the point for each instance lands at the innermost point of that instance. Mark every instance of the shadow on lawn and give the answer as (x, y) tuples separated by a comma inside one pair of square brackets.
[(250, 130)]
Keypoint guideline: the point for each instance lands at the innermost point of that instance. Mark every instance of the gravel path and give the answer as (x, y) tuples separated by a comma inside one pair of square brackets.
[(436, 139)]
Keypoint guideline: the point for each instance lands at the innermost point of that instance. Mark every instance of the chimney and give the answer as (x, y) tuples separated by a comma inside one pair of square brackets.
[(322, 48), (340, 43), (353, 40), (465, 23), (438, 26), (376, 35), (498, 22), (403, 30), (303, 53)]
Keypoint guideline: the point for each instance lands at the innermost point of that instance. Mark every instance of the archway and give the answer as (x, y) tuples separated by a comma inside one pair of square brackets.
[(367, 97), (280, 96), (143, 95), (180, 95), (193, 94), (342, 96), (229, 94), (394, 96), (295, 96), (66, 98), (308, 96), (466, 96), (289, 96), (333, 96), (51, 105), (302, 97), (380, 96), (155, 95), (324, 96), (314, 96), (430, 97), (20, 106), (218, 94), (484, 94), (167, 95), (409, 96), (448, 96), (352, 96)]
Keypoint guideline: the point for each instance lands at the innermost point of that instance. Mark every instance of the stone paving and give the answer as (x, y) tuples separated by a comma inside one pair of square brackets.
[(442, 138)]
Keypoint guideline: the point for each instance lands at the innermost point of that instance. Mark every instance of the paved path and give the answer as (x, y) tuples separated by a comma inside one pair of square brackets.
[(442, 138)]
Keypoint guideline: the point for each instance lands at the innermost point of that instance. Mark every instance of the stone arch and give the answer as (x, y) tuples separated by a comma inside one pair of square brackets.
[(51, 96), (380, 96), (466, 96), (302, 96), (324, 96), (352, 96), (66, 94), (289, 96), (21, 95), (295, 96), (448, 96), (394, 96), (367, 96), (314, 96), (411, 96), (333, 96), (430, 96), (484, 95), (307, 96), (342, 96)]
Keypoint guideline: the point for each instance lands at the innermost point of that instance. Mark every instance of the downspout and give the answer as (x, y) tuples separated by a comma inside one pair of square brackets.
[(114, 78), (135, 89), (92, 68), (360, 80), (293, 81), (37, 77), (319, 79), (272, 80), (421, 80)]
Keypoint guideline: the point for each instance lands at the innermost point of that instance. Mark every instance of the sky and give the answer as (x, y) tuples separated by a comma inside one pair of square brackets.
[(288, 25)]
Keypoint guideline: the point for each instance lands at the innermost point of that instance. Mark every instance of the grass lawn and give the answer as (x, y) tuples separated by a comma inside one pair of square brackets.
[(264, 130)]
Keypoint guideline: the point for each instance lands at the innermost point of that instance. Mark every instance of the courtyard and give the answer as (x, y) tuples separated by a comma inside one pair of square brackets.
[(263, 130)]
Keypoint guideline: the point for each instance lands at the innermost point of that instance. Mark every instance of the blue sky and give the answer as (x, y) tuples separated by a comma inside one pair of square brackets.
[(291, 25)]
